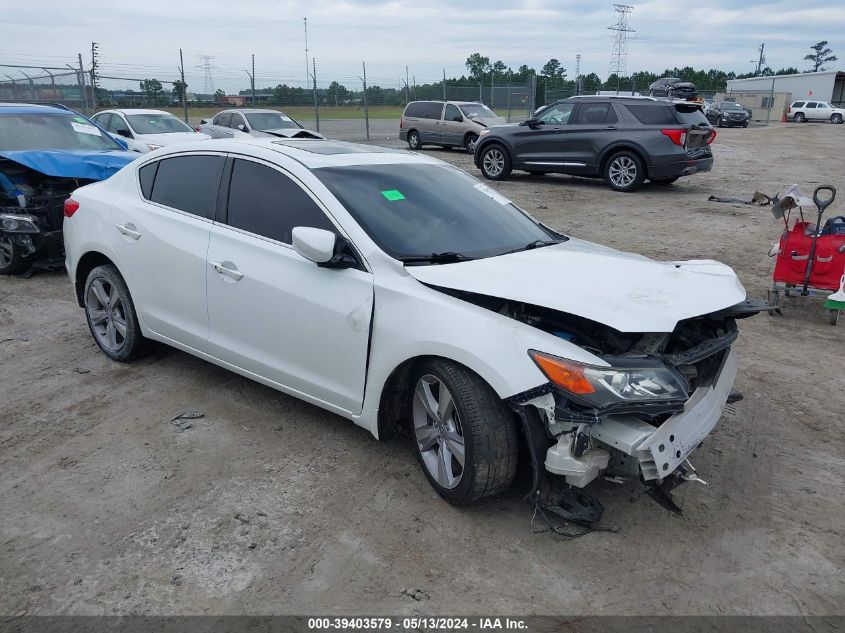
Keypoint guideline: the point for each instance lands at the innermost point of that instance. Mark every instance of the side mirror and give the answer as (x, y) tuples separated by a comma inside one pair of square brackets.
[(241, 127), (532, 122), (316, 245), (124, 132), (203, 121)]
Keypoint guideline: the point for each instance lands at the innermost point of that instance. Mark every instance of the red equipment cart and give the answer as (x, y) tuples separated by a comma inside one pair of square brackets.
[(810, 258)]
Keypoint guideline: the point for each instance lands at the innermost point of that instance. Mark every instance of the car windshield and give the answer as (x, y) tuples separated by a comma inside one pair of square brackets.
[(416, 211), (270, 121), (730, 105), (157, 124), (33, 131), (477, 111)]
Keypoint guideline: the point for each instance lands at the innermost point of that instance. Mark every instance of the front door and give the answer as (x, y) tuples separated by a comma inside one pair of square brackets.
[(272, 312), (452, 126), (542, 147)]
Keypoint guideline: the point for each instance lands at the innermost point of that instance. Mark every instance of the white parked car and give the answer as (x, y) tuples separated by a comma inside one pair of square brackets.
[(800, 111), (146, 130), (392, 288)]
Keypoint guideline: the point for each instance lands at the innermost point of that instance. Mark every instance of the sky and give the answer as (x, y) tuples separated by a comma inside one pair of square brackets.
[(142, 38)]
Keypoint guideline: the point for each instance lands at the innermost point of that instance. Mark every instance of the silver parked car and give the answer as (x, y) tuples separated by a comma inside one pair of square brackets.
[(448, 124), (259, 123)]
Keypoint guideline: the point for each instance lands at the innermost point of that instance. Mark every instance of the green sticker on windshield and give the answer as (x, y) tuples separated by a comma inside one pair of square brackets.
[(79, 119), (393, 194)]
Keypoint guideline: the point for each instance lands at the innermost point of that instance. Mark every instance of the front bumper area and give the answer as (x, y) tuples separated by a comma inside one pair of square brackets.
[(659, 451)]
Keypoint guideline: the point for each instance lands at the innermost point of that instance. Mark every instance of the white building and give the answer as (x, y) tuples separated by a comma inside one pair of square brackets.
[(826, 85)]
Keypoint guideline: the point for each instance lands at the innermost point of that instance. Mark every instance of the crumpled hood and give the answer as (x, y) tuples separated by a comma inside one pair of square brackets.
[(97, 165), (630, 293), (288, 132), (489, 121)]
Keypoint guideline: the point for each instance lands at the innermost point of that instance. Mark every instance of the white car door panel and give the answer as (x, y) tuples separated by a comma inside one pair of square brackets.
[(162, 249), (276, 314), (271, 311)]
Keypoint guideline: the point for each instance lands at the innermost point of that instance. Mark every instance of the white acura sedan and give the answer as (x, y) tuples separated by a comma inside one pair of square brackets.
[(392, 288), (146, 130)]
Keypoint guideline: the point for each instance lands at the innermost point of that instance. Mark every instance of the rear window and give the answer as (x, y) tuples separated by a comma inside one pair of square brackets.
[(691, 115), (424, 109), (146, 176), (653, 115), (798, 104)]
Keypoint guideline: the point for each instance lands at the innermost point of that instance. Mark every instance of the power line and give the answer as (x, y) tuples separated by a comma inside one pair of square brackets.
[(207, 81)]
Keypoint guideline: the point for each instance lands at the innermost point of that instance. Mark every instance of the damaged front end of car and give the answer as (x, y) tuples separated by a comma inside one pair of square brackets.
[(637, 413)]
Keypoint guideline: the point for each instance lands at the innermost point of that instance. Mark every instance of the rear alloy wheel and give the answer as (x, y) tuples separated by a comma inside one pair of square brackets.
[(12, 261), (799, 117), (111, 314), (836, 118), (624, 172), (414, 141), (469, 142), (465, 437), (495, 162)]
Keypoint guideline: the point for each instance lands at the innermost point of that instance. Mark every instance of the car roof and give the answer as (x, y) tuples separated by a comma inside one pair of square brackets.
[(311, 153), (447, 101), (24, 108), (252, 111), (135, 111), (600, 97)]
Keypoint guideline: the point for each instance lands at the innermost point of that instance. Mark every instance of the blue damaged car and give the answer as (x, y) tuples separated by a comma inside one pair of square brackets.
[(45, 153)]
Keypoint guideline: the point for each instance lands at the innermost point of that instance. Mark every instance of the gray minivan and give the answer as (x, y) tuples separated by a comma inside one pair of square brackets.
[(448, 124)]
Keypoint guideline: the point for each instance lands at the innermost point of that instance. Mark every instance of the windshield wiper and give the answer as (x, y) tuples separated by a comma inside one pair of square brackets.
[(448, 257), (533, 245)]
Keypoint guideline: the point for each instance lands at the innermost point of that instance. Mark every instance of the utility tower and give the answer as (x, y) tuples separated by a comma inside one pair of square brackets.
[(578, 74), (207, 81), (760, 60), (619, 56), (307, 72)]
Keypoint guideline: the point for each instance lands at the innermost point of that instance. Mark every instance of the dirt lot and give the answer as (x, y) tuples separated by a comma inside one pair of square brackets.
[(271, 506)]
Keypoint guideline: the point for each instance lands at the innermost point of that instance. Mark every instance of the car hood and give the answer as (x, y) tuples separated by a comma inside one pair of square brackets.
[(172, 138), (489, 121), (683, 84), (89, 165), (627, 292), (288, 132)]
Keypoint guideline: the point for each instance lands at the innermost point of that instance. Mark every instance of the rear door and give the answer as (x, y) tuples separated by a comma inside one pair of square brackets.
[(812, 110), (274, 313), (543, 147), (160, 232)]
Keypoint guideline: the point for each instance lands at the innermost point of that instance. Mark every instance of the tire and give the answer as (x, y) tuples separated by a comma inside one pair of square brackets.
[(836, 118), (111, 314), (474, 419), (745, 124), (495, 162), (719, 122), (469, 142), (624, 172), (12, 261), (414, 140), (799, 117), (664, 181)]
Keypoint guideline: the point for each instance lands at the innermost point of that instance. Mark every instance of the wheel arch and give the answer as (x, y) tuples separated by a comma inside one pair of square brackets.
[(623, 146), (88, 262), (484, 142)]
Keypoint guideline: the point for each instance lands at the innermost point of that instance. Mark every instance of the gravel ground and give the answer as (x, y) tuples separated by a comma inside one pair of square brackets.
[(268, 505)]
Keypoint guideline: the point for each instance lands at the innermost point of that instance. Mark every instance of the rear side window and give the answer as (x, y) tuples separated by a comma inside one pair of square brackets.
[(798, 104), (223, 119), (146, 176), (424, 109), (188, 183), (595, 113), (268, 203), (652, 115), (811, 104)]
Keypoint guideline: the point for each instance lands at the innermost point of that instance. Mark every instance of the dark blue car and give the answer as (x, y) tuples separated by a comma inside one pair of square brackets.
[(45, 153)]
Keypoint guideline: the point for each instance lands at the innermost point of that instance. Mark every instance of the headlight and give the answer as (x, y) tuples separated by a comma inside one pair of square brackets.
[(637, 381), (483, 132), (13, 223), (153, 146)]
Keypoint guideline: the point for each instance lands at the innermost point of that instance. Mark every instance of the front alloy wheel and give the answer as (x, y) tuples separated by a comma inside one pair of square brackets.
[(12, 261), (495, 163), (836, 118), (465, 437)]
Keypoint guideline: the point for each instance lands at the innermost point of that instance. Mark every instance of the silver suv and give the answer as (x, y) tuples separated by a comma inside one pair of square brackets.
[(448, 124)]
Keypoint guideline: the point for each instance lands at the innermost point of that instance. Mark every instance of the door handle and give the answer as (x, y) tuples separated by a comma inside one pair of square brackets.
[(225, 270), (610, 127), (128, 230)]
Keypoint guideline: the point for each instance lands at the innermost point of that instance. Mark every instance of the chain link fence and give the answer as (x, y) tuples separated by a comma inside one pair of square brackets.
[(66, 85)]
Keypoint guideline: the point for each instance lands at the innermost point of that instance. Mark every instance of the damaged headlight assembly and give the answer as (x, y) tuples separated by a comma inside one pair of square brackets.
[(15, 223), (628, 381)]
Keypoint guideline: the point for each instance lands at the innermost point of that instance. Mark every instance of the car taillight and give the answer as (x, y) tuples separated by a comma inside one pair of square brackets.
[(711, 137), (71, 206), (678, 137), (401, 122)]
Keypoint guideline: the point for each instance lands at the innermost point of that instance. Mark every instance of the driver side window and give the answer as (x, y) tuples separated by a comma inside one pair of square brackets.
[(557, 115), (452, 113)]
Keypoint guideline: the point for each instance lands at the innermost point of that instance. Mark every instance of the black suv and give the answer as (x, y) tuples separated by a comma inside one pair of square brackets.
[(621, 139), (673, 88)]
